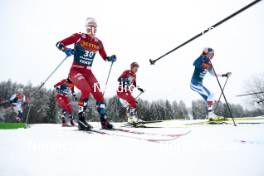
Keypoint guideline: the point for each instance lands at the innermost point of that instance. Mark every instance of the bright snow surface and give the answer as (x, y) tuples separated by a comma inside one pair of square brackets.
[(208, 150)]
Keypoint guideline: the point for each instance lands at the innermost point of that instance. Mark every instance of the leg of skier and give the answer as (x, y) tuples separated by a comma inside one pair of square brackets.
[(63, 101), (100, 102), (82, 84), (19, 111), (68, 108), (207, 96), (132, 116)]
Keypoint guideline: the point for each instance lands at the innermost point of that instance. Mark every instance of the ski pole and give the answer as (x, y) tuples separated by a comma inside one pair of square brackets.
[(41, 85), (139, 95), (247, 94), (152, 62), (108, 76), (222, 92)]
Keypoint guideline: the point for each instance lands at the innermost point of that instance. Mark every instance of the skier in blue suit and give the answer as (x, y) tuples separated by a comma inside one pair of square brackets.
[(203, 65)]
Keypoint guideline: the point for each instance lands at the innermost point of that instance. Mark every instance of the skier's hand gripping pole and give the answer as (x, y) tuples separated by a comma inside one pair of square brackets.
[(152, 62), (41, 85)]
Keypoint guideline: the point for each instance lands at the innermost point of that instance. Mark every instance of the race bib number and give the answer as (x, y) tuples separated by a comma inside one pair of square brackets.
[(83, 57)]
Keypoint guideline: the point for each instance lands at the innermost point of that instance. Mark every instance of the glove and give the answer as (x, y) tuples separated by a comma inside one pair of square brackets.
[(228, 74), (141, 90), (111, 58), (69, 52)]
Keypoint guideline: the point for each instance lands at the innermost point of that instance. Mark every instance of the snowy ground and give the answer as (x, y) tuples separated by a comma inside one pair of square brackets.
[(208, 150)]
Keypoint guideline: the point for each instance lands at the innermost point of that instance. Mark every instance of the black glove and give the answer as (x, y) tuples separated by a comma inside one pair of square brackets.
[(228, 74), (111, 58), (140, 89)]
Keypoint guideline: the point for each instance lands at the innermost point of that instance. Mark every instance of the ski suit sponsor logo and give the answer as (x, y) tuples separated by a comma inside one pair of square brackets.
[(89, 45)]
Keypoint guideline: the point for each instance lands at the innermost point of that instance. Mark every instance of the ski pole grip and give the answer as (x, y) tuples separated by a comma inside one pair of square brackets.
[(152, 62)]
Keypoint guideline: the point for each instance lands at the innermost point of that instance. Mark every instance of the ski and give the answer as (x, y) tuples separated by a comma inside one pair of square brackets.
[(209, 123), (156, 140), (149, 133), (138, 126), (151, 121), (142, 124)]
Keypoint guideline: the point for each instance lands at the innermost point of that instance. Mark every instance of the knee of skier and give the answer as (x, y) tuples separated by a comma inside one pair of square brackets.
[(101, 108), (133, 104)]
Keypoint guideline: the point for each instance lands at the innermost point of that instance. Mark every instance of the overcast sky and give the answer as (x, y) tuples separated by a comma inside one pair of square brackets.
[(134, 30)]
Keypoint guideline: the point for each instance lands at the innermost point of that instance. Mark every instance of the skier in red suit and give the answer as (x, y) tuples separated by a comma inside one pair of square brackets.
[(86, 45), (127, 83), (62, 91)]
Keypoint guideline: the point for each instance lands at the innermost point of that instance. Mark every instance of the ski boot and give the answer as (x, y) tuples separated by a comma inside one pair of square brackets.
[(18, 120), (64, 123), (211, 116), (132, 118), (82, 124), (214, 119), (106, 124), (72, 122), (103, 117)]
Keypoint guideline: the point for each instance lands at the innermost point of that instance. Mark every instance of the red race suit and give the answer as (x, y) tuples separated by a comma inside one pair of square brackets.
[(127, 82), (85, 49), (63, 88)]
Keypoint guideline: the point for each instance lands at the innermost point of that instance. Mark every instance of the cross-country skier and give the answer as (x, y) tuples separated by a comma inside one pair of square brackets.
[(127, 83), (18, 100), (203, 65), (62, 91), (86, 45)]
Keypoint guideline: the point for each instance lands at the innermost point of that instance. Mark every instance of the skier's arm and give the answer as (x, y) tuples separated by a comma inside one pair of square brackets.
[(102, 51), (13, 99), (211, 71), (61, 45), (134, 82), (122, 76)]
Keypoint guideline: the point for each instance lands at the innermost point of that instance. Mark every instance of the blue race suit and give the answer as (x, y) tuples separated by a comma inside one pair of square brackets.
[(198, 76)]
